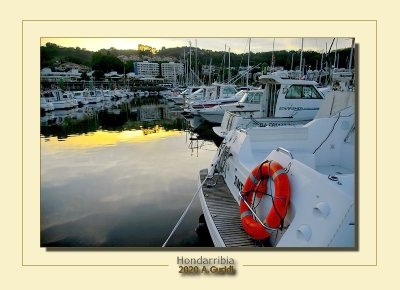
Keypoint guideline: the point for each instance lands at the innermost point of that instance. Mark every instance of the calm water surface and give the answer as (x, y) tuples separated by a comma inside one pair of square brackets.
[(110, 179)]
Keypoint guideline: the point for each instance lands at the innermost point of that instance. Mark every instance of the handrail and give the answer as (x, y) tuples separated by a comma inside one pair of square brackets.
[(283, 150), (255, 215)]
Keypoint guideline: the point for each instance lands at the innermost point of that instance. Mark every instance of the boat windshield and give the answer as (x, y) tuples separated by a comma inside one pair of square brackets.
[(241, 93), (189, 91), (198, 92), (252, 97), (229, 90)]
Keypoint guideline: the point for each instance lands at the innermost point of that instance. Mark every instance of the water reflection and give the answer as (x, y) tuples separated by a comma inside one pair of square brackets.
[(118, 175)]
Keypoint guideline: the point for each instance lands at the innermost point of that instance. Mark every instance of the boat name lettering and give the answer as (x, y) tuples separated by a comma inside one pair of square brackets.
[(238, 184), (291, 108)]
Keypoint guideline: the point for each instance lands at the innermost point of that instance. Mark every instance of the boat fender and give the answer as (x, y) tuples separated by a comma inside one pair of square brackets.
[(201, 228), (256, 183)]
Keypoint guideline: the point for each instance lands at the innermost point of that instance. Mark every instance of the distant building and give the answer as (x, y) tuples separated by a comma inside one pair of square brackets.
[(171, 71), (125, 58), (68, 66), (146, 69), (113, 76), (143, 47), (46, 74)]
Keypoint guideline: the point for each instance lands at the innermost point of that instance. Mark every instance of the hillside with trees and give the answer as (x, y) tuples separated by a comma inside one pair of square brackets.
[(112, 59)]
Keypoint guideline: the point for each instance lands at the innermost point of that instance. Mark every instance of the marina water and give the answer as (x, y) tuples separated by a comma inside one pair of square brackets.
[(119, 176)]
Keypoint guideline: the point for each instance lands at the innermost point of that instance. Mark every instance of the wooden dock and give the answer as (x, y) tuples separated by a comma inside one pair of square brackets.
[(225, 213)]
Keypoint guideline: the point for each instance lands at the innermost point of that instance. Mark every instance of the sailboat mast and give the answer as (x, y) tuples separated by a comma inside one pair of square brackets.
[(291, 64), (322, 61), (248, 65), (301, 58), (351, 53), (190, 64), (195, 63), (209, 72), (273, 55), (223, 66), (334, 61), (229, 65)]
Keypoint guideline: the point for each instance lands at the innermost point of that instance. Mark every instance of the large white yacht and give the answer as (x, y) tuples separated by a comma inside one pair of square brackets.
[(211, 96), (285, 101), (59, 99), (287, 186), (249, 103)]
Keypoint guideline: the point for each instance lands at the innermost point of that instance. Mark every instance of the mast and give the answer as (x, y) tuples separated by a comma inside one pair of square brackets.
[(174, 75), (301, 57), (223, 66), (190, 63), (195, 63), (291, 65), (248, 66), (229, 65), (322, 61), (334, 61), (273, 55), (185, 67), (351, 54), (209, 72)]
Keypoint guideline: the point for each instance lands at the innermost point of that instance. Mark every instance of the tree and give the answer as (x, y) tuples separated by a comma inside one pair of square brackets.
[(85, 77), (98, 75), (107, 63)]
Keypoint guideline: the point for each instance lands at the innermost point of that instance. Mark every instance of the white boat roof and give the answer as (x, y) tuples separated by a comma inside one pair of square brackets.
[(223, 85), (273, 79)]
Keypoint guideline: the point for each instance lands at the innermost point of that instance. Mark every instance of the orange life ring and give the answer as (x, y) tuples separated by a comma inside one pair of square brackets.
[(256, 183)]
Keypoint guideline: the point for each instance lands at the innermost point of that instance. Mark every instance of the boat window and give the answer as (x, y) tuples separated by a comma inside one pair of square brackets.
[(252, 98), (302, 92), (256, 98), (229, 91), (198, 92)]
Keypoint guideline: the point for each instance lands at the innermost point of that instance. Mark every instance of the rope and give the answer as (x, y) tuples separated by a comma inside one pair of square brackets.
[(273, 200), (333, 128), (184, 213)]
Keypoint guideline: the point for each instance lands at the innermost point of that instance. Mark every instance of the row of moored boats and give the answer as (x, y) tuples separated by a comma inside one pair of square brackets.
[(284, 174), (57, 99)]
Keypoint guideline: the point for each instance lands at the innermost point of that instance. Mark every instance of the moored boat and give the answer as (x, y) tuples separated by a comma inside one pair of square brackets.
[(59, 100), (249, 103), (284, 102), (46, 105), (211, 96), (289, 186)]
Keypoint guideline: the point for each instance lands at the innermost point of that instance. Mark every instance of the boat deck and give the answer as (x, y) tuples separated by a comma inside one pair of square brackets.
[(225, 213)]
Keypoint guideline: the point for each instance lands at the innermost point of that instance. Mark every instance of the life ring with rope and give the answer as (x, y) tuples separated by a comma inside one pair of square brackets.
[(257, 184)]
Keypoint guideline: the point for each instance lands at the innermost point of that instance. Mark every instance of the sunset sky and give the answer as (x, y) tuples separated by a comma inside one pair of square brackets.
[(236, 45)]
